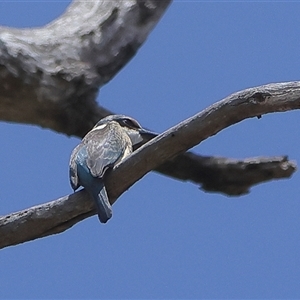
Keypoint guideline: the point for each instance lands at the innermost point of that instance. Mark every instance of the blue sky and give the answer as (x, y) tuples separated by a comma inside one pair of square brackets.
[(245, 247)]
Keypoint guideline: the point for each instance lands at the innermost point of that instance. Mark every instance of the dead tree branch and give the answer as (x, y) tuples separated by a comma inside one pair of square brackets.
[(61, 214), (232, 177), (50, 76)]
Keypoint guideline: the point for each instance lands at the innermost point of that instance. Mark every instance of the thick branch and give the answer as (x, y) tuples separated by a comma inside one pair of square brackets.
[(59, 215), (50, 76)]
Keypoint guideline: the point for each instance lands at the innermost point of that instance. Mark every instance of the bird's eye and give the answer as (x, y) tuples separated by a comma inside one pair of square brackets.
[(131, 123)]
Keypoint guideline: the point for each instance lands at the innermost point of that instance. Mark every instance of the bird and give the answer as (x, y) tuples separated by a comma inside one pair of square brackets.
[(111, 140)]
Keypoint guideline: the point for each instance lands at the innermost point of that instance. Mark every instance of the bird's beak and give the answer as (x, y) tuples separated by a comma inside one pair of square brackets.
[(146, 134), (142, 137)]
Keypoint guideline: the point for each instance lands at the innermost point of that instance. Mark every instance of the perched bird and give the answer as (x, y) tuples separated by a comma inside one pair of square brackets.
[(112, 139)]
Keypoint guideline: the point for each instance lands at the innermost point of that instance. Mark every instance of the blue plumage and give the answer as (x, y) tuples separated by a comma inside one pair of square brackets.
[(94, 185)]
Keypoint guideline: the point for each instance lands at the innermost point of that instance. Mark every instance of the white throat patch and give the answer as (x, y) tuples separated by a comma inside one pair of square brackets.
[(134, 136), (101, 126)]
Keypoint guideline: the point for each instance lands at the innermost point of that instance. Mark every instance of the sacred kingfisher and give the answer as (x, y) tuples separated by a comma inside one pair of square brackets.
[(111, 140)]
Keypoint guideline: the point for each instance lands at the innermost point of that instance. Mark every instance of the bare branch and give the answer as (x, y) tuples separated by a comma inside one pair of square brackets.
[(50, 76), (232, 177), (59, 215)]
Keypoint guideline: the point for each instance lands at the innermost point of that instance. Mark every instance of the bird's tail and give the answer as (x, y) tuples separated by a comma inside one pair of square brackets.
[(103, 206)]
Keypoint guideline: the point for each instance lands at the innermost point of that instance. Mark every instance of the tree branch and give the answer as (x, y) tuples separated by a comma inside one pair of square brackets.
[(50, 76), (232, 177), (59, 215)]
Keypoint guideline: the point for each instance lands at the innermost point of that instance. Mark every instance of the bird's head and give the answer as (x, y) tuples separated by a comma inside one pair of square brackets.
[(137, 134)]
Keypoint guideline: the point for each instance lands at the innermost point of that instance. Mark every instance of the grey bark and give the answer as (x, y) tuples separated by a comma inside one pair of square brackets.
[(50, 77), (57, 216)]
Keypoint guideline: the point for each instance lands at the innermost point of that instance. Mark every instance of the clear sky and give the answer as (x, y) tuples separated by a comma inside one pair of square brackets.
[(245, 247)]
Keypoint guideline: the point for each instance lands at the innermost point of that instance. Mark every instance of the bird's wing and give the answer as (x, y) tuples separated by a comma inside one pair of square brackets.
[(104, 147), (73, 168)]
